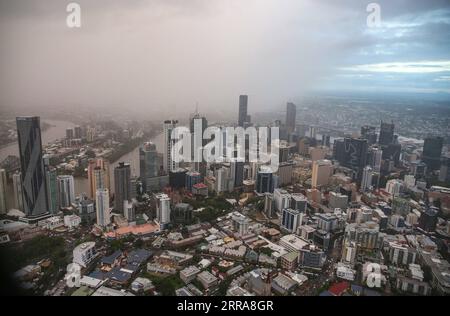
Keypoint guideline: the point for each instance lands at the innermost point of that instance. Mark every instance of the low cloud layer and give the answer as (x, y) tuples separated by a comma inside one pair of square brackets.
[(161, 57)]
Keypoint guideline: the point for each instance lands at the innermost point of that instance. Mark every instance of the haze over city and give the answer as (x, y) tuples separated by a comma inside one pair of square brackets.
[(159, 56)]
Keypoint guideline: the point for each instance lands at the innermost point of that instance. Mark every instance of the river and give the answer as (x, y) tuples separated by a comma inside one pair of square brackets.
[(82, 184), (58, 131)]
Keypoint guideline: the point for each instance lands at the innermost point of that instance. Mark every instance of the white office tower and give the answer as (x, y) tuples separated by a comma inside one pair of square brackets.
[(349, 251), (377, 156), (282, 199), (168, 163), (17, 188), (162, 210), (366, 182), (84, 253), (410, 181), (128, 209), (412, 218), (223, 181), (337, 200), (240, 224), (102, 204), (3, 191), (66, 191), (394, 186)]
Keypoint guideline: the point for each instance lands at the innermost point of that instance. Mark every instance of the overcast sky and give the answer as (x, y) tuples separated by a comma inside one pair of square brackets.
[(161, 57)]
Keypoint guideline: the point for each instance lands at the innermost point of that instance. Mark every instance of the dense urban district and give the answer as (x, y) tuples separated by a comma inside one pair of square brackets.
[(359, 206)]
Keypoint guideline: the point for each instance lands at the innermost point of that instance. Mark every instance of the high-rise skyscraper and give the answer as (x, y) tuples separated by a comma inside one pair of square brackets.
[(168, 163), (377, 155), (99, 178), (34, 189), (197, 143), (290, 219), (238, 173), (98, 175), (66, 191), (243, 103), (352, 153), (291, 112), (102, 205), (265, 181), (369, 133), (386, 133), (162, 209), (3, 191), (148, 163), (52, 185), (432, 151), (17, 189), (69, 133), (366, 181), (77, 132), (356, 153), (122, 186), (322, 170)]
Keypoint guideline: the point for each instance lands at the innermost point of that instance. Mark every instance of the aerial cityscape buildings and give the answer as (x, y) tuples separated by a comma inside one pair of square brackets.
[(314, 170)]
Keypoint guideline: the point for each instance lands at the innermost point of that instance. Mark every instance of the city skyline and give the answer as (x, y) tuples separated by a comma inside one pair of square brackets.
[(239, 150)]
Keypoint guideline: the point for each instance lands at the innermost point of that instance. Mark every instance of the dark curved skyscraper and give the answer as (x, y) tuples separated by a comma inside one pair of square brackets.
[(34, 189)]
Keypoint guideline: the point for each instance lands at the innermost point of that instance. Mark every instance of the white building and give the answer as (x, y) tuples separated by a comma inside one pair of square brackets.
[(207, 279), (293, 243), (72, 221), (222, 176), (412, 218), (410, 181), (366, 182), (84, 253), (162, 209), (103, 210), (377, 157), (282, 199), (128, 209), (345, 272), (241, 223), (394, 186), (188, 274), (338, 200), (51, 223), (349, 251)]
